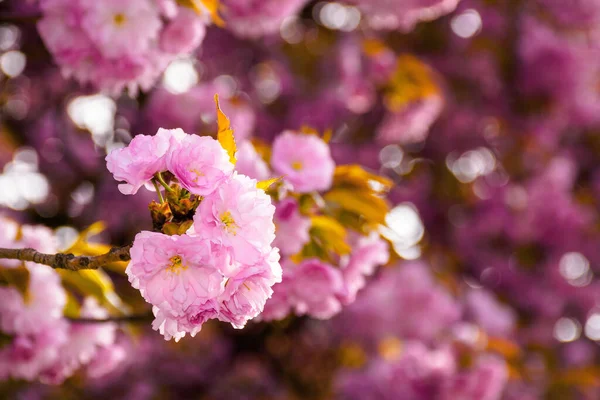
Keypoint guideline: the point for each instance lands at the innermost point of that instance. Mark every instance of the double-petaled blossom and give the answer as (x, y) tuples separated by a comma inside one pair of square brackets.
[(189, 280), (238, 216), (250, 163), (121, 27), (145, 155), (247, 290), (175, 272), (256, 18), (368, 252), (292, 228), (84, 341), (403, 14), (312, 287), (40, 306), (31, 356), (200, 164), (118, 44), (304, 160)]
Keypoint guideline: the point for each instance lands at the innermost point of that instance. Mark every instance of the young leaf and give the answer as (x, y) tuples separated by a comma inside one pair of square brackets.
[(225, 133), (203, 6), (17, 278), (329, 235), (94, 283), (264, 185)]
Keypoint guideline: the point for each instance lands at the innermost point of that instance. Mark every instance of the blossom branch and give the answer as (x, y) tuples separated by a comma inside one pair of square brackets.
[(16, 17), (123, 318), (68, 261)]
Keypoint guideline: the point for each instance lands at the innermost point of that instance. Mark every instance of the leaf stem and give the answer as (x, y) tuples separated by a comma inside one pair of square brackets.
[(160, 179), (160, 196)]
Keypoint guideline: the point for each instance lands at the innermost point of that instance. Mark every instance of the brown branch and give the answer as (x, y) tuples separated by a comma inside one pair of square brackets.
[(16, 17), (124, 318), (68, 261)]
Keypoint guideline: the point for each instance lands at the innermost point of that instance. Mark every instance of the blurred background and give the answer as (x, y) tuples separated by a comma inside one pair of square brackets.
[(486, 116)]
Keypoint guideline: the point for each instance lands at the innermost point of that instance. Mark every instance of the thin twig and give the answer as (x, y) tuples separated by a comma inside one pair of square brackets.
[(122, 318), (68, 261)]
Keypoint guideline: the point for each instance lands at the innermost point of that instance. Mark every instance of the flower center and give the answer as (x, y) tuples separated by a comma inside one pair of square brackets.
[(119, 19), (297, 165), (198, 174), (176, 265), (229, 223)]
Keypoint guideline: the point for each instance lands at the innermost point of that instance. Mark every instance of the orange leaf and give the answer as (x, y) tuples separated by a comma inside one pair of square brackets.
[(225, 133)]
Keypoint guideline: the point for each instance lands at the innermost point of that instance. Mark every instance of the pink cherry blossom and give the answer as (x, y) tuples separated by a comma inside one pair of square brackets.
[(412, 123), (247, 291), (137, 163), (29, 356), (84, 341), (38, 237), (121, 27), (280, 303), (183, 34), (174, 325), (304, 160), (107, 360), (200, 164), (368, 252), (317, 287), (250, 163), (239, 216), (403, 14), (255, 18), (291, 227), (175, 273), (116, 44), (42, 307)]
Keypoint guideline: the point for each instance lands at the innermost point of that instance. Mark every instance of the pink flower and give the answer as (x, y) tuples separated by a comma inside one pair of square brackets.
[(176, 325), (250, 163), (121, 27), (291, 227), (239, 216), (411, 124), (495, 318), (247, 292), (84, 341), (485, 381), (137, 163), (368, 252), (403, 14), (280, 303), (42, 307), (183, 34), (200, 164), (38, 237), (317, 287), (175, 273), (115, 44), (255, 18), (107, 360), (304, 160), (29, 356)]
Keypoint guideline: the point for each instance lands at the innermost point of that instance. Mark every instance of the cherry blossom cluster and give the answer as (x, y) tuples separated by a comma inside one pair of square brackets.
[(118, 44), (310, 286), (38, 342), (223, 266)]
